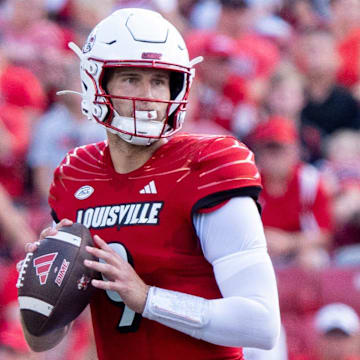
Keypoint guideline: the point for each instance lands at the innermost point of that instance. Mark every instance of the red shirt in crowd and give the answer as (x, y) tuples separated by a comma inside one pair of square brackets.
[(20, 87), (303, 199), (349, 50), (13, 120)]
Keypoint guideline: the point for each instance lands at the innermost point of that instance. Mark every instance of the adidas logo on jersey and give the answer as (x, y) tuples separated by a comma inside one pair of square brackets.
[(150, 188), (100, 217)]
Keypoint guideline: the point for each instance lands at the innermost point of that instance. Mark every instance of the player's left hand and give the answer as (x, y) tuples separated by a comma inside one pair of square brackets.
[(49, 231), (121, 276)]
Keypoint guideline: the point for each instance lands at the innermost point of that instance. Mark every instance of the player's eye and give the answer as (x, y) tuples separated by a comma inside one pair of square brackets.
[(131, 79), (160, 82)]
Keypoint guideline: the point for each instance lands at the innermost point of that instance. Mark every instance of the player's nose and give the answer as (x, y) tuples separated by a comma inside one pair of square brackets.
[(146, 90)]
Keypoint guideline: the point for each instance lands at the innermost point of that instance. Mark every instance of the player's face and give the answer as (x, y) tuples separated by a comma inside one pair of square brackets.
[(143, 83), (276, 159)]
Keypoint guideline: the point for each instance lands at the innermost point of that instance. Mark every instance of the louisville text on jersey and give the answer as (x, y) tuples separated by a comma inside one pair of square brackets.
[(100, 217)]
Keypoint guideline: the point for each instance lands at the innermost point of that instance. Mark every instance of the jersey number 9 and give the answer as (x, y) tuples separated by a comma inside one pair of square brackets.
[(129, 320)]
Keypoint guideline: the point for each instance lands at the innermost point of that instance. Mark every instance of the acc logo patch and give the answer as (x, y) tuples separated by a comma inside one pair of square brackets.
[(84, 192)]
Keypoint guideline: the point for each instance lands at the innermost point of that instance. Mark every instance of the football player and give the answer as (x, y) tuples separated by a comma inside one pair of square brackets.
[(183, 257)]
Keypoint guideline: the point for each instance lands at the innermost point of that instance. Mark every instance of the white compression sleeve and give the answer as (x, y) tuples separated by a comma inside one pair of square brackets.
[(248, 313)]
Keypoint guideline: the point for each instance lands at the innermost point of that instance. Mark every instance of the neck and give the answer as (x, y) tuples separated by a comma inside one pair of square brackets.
[(276, 184), (127, 157)]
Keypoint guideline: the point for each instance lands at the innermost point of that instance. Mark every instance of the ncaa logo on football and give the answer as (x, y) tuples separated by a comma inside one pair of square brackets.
[(84, 192)]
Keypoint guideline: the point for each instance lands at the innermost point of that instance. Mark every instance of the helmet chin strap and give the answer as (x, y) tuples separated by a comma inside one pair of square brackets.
[(147, 125)]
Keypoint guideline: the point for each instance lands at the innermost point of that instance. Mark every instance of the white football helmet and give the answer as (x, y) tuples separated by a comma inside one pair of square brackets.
[(135, 38)]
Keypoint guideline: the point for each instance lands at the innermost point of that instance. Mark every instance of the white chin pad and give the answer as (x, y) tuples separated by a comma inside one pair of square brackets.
[(147, 126), (144, 127)]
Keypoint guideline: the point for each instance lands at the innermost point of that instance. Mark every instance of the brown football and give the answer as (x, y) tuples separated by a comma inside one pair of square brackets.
[(54, 285)]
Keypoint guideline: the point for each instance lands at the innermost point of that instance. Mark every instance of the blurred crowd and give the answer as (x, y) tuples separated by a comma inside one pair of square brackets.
[(283, 76)]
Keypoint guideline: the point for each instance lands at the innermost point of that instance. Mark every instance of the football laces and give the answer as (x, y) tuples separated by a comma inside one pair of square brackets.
[(21, 266)]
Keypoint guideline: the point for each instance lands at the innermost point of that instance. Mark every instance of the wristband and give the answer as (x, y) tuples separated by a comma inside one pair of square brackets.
[(181, 308)]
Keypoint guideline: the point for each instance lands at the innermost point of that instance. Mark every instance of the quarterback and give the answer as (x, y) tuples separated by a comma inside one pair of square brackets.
[(183, 257)]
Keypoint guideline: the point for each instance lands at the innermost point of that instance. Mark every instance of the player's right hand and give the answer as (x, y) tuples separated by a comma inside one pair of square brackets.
[(32, 246), (49, 231)]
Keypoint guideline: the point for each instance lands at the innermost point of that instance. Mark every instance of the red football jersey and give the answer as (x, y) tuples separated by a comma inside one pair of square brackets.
[(146, 216)]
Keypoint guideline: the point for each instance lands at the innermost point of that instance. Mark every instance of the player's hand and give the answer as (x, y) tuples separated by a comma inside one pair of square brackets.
[(121, 276), (49, 231), (32, 246)]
